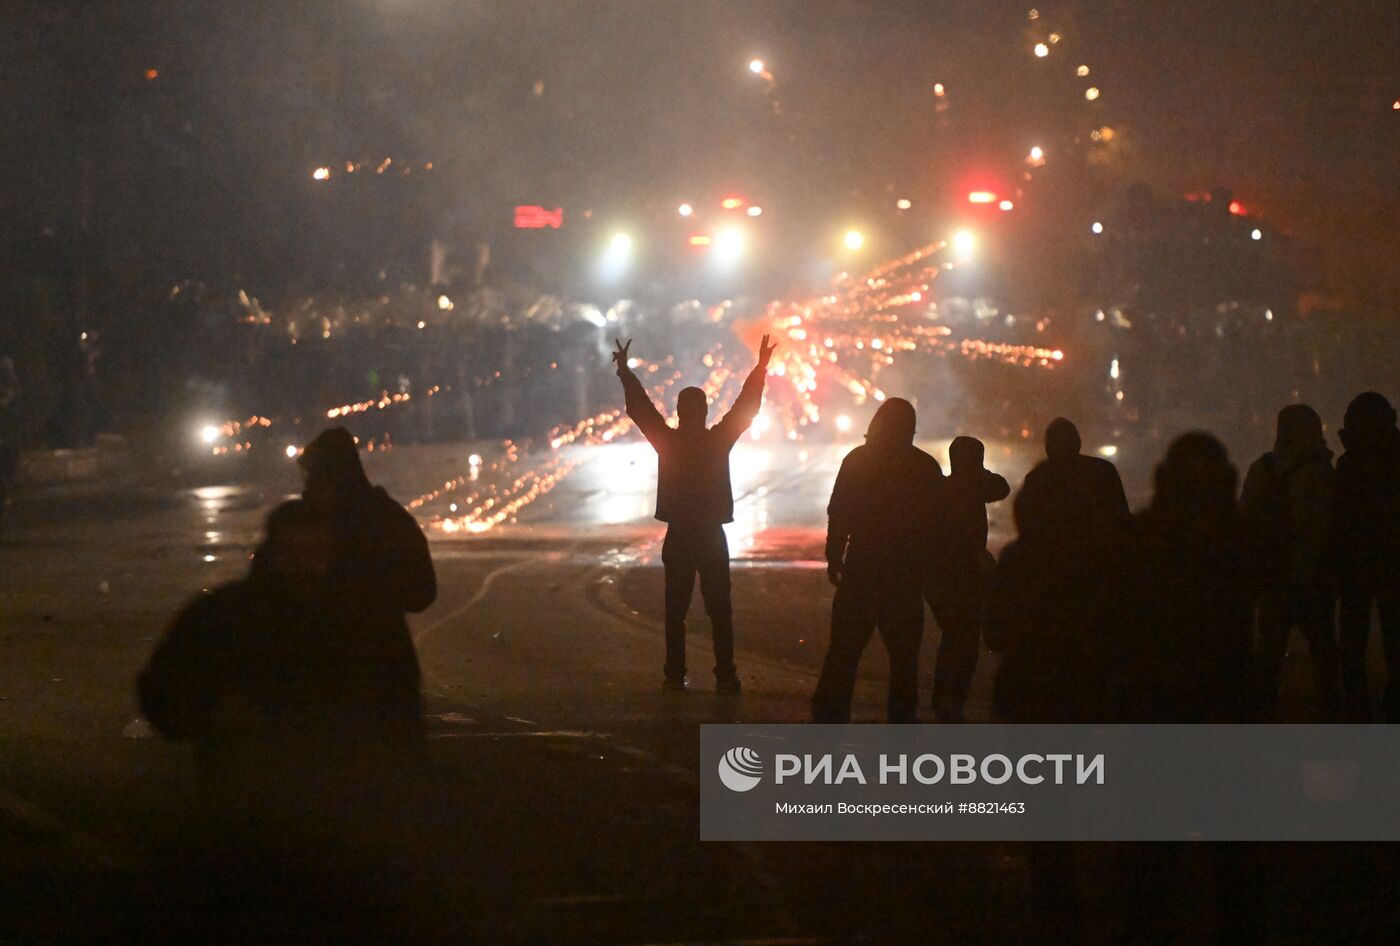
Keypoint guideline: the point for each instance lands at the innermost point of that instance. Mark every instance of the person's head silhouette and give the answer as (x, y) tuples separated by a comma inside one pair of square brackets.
[(892, 426), (966, 454), (1299, 430), (1062, 439), (297, 547), (692, 408), (1369, 421), (330, 466), (1195, 477)]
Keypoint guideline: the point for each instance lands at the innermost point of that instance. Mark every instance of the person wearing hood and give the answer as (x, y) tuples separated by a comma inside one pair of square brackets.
[(882, 525), (1071, 499), (695, 500), (381, 566), (1366, 547), (1286, 502), (957, 592), (1046, 610)]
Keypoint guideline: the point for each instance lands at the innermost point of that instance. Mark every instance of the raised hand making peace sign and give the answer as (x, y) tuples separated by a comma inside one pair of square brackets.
[(620, 356)]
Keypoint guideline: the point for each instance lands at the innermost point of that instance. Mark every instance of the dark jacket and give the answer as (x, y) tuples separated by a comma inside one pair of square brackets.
[(1072, 500), (884, 521), (1182, 617), (968, 495), (257, 663), (1287, 503), (1366, 513), (693, 486)]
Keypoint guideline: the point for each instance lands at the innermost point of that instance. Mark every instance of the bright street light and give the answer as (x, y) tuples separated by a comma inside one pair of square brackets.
[(963, 244), (685, 210), (854, 239), (209, 433), (728, 246), (756, 66), (1041, 50), (616, 257), (843, 423)]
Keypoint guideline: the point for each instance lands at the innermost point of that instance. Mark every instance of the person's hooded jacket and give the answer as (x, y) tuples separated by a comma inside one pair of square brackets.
[(1366, 492), (1287, 497), (883, 520)]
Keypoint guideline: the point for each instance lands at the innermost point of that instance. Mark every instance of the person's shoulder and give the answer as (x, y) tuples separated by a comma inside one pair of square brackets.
[(856, 454), (214, 607), (1262, 466), (381, 501), (928, 462)]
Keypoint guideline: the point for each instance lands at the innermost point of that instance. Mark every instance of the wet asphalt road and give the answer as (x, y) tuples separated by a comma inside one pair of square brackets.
[(566, 784)]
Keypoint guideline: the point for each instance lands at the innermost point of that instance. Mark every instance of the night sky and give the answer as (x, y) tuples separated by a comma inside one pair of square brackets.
[(621, 103)]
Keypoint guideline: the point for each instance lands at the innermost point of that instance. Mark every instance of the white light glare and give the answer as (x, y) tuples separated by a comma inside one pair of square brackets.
[(209, 433), (854, 239), (728, 244), (843, 423), (1256, 234), (1097, 227), (756, 66), (964, 243), (903, 203), (1041, 50), (685, 210), (292, 451)]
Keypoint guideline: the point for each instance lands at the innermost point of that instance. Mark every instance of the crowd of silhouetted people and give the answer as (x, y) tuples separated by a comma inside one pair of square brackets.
[(299, 686), (1180, 613)]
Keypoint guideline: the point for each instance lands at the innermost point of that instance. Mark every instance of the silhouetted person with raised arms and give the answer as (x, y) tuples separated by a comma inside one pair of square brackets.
[(957, 592), (380, 568), (1366, 539), (882, 526), (695, 500), (1287, 504), (1070, 498)]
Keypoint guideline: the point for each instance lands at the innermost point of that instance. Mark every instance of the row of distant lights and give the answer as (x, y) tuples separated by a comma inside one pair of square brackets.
[(323, 173), (729, 203), (1255, 234)]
